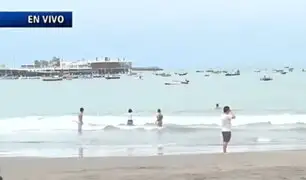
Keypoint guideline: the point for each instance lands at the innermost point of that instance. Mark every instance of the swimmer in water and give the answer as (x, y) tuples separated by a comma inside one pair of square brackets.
[(159, 118), (217, 106), (80, 121), (130, 118)]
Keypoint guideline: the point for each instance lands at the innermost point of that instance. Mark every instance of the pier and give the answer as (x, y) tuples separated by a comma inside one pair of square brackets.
[(59, 67)]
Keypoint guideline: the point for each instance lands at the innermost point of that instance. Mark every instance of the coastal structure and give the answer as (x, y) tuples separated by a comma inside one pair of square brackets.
[(58, 66), (111, 67)]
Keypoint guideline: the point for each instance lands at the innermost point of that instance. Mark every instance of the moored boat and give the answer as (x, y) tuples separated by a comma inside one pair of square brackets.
[(112, 77), (265, 78), (54, 78)]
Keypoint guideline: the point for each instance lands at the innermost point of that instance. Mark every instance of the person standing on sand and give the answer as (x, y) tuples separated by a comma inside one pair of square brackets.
[(80, 122), (159, 118), (226, 126)]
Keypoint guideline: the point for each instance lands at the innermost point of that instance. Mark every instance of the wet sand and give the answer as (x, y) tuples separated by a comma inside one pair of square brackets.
[(238, 166)]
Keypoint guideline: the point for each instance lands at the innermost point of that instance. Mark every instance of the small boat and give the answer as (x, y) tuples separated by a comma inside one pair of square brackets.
[(34, 77), (69, 78), (23, 77), (278, 70), (97, 76), (172, 83), (52, 79), (139, 77), (265, 78), (237, 73), (112, 77), (165, 75), (75, 77), (162, 74), (9, 77), (177, 82), (181, 74), (85, 76)]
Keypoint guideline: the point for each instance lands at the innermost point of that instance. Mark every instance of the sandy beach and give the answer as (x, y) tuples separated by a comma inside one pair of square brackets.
[(258, 165)]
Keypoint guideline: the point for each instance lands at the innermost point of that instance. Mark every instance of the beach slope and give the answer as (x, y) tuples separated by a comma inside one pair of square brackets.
[(239, 166)]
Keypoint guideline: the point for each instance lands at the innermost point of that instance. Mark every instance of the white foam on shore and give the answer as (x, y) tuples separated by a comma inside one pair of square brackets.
[(153, 151), (107, 136), (49, 124)]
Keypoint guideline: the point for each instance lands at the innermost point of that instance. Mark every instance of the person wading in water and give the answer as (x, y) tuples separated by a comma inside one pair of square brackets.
[(159, 118)]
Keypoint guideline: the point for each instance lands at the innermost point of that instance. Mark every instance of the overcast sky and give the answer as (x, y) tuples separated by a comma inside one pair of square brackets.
[(167, 33)]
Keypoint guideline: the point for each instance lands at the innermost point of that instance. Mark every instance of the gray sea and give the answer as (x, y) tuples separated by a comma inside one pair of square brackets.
[(38, 118)]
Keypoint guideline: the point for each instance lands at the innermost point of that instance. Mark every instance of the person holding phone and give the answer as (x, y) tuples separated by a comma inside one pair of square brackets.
[(226, 126)]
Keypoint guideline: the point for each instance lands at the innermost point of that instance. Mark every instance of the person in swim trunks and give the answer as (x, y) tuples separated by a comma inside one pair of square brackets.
[(159, 118), (80, 121), (130, 118), (226, 126)]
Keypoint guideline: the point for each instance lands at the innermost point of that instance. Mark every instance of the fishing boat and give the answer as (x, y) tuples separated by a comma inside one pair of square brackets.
[(112, 77), (9, 77), (265, 78), (97, 76), (182, 74), (177, 82), (53, 78), (34, 77), (237, 73), (163, 74)]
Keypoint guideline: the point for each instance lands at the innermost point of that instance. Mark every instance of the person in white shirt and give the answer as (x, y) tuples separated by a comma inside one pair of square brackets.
[(130, 118), (226, 126)]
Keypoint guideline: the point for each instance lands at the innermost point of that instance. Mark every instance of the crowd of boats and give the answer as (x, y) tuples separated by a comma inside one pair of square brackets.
[(139, 76), (61, 78)]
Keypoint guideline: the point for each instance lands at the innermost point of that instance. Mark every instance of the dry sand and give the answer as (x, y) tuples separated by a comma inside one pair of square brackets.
[(289, 165)]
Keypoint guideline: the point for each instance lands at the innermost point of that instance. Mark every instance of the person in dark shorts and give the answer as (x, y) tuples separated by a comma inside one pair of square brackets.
[(80, 121), (226, 126), (130, 118), (159, 118)]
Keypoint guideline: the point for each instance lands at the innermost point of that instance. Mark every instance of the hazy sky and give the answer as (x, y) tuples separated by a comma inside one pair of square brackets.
[(167, 33)]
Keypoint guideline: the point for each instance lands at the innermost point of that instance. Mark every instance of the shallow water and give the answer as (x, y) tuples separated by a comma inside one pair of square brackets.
[(38, 118)]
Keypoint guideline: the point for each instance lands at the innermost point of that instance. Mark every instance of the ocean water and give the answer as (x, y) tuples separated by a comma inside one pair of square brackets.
[(39, 118)]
